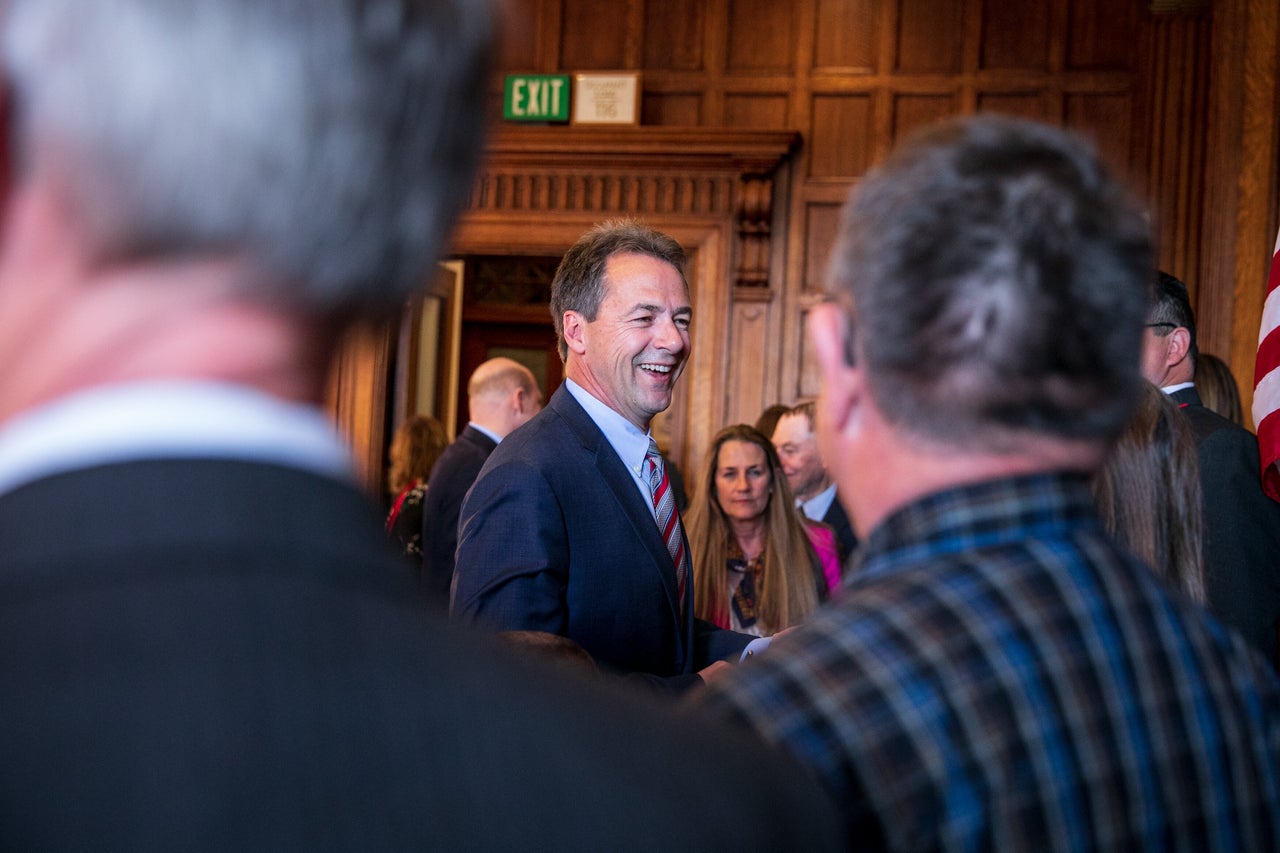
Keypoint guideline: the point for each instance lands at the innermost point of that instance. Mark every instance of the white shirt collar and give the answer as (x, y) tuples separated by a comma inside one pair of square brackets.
[(1169, 389), (164, 420), (816, 507), (497, 439), (627, 440)]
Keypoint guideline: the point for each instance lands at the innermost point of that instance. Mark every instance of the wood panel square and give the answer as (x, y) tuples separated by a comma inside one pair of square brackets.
[(1107, 119), (822, 227), (841, 138), (913, 111), (762, 37), (930, 36), (674, 32), (845, 35), (757, 111), (1014, 36)]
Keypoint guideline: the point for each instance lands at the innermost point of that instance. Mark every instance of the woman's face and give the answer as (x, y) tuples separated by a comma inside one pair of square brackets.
[(743, 481)]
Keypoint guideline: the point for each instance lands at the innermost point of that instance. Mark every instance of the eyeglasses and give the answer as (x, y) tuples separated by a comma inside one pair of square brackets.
[(1162, 325)]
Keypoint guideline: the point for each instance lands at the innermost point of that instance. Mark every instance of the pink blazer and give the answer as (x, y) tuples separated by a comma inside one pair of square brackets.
[(823, 539)]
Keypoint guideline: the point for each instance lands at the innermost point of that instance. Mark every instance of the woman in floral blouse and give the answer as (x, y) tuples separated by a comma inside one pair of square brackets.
[(756, 563)]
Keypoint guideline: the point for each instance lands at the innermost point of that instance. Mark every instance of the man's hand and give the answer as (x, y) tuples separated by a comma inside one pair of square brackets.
[(714, 671)]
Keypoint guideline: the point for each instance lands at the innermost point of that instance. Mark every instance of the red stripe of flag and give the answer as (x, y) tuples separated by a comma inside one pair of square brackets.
[(1266, 382)]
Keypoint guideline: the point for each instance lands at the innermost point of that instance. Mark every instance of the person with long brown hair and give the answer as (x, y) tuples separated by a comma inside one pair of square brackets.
[(755, 567), (416, 446), (1148, 492), (1218, 388)]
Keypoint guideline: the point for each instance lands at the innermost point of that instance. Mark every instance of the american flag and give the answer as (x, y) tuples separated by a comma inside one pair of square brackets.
[(1266, 382)]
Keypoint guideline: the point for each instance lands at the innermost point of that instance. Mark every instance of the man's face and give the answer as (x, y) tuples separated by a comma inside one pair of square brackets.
[(637, 346), (801, 462)]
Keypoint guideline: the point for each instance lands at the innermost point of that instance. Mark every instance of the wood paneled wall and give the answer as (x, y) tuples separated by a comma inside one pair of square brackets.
[(1184, 104)]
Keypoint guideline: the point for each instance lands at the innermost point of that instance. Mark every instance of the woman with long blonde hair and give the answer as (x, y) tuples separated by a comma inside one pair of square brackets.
[(755, 568)]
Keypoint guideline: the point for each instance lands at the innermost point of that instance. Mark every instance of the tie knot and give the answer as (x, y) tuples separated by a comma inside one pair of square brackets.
[(653, 454)]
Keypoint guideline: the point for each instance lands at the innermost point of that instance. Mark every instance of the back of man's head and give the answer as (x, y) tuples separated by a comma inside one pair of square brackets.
[(490, 394), (1171, 308), (324, 144), (996, 280)]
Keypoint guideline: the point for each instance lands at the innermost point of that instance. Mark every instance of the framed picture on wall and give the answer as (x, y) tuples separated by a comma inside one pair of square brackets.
[(607, 98)]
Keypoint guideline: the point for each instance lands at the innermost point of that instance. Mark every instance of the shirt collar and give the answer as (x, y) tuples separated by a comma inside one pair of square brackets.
[(164, 420), (627, 440), (977, 515), (816, 507), (497, 439), (1169, 389)]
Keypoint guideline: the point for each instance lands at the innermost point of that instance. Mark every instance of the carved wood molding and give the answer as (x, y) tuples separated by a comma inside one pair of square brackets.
[(647, 172)]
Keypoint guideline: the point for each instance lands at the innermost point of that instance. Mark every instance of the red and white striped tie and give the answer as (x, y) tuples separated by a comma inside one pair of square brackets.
[(664, 504)]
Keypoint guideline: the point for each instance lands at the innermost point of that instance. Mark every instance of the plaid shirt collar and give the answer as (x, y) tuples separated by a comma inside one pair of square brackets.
[(976, 515)]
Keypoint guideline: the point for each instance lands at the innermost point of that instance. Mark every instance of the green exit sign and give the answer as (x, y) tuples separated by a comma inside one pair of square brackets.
[(536, 97)]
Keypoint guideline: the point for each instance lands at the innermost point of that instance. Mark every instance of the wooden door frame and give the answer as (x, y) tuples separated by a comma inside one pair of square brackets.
[(720, 193)]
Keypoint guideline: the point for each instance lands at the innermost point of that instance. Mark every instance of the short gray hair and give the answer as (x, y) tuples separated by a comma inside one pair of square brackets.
[(328, 144), (996, 279)]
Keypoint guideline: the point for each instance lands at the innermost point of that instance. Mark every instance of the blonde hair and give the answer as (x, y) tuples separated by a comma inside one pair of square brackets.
[(417, 445), (788, 588)]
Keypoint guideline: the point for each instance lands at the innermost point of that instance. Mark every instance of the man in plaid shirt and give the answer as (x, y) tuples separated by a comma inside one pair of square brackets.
[(997, 673)]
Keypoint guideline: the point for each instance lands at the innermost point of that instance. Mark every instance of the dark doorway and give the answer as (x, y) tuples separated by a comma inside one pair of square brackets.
[(506, 312)]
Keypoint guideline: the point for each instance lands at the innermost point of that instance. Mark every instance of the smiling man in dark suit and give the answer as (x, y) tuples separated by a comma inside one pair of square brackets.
[(502, 394), (564, 531)]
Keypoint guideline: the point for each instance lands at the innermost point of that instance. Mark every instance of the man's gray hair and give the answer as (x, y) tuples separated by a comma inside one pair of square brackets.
[(996, 279), (328, 144)]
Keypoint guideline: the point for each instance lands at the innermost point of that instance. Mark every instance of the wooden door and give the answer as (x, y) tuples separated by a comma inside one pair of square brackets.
[(533, 344)]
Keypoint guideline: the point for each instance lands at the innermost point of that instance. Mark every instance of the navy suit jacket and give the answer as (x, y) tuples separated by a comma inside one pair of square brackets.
[(218, 655), (1242, 526), (555, 536), (451, 477), (838, 520)]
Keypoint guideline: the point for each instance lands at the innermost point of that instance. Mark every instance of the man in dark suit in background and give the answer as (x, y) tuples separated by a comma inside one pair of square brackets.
[(502, 394), (1242, 524), (563, 531), (206, 642), (807, 474)]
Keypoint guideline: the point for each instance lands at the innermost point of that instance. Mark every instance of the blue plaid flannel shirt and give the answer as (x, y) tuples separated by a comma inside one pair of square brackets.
[(997, 673)]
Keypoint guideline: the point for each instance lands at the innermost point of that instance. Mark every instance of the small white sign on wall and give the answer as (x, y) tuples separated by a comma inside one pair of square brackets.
[(608, 98)]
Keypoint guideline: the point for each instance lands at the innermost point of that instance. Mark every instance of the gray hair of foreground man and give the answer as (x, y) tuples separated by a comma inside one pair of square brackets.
[(327, 144), (996, 280), (579, 283)]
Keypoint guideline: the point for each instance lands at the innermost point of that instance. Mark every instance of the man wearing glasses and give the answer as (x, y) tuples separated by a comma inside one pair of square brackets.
[(1242, 524)]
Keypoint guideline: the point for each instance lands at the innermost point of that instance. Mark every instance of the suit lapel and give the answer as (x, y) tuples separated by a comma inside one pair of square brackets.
[(622, 486)]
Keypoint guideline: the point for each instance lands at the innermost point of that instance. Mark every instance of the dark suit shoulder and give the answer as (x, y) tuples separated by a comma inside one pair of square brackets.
[(460, 462), (1242, 529), (261, 660), (1206, 423)]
